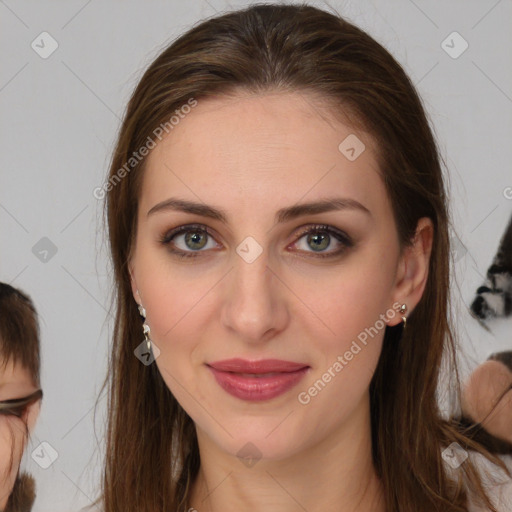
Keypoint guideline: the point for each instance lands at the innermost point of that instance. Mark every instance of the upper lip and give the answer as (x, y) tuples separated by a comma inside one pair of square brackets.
[(238, 365)]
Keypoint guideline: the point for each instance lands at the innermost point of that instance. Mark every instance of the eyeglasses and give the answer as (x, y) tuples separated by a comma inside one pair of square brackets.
[(17, 406)]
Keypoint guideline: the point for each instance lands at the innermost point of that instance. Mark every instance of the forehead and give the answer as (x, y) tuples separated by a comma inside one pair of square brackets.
[(15, 380), (263, 150)]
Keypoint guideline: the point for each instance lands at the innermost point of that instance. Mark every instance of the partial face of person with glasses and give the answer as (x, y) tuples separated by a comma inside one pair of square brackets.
[(487, 398), (20, 402)]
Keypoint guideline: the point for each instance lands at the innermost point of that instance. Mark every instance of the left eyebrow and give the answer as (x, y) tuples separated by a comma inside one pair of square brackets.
[(282, 215)]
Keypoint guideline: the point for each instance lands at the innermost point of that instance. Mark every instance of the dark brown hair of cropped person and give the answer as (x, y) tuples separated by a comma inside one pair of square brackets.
[(18, 321), (20, 374), (152, 455), (503, 357), (480, 434)]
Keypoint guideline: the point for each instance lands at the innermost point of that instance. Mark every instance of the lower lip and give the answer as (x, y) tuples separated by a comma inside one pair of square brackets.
[(257, 388)]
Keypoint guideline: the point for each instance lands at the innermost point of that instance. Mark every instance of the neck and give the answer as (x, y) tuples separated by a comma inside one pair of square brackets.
[(336, 474)]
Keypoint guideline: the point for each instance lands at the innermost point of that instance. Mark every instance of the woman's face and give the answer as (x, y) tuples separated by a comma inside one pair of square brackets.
[(256, 285), (15, 382)]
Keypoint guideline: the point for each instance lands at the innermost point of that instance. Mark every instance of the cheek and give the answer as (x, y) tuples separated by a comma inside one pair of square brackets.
[(499, 422), (178, 302), (11, 441), (168, 288), (347, 344), (353, 306), (5, 448), (346, 303), (171, 293)]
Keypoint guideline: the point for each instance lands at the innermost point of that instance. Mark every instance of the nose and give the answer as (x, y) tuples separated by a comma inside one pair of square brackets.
[(254, 306)]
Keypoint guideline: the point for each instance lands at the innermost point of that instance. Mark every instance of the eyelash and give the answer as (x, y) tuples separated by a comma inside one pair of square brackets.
[(315, 229)]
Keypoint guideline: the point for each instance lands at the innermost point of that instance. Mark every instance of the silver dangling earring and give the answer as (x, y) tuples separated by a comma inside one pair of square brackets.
[(145, 327), (402, 310)]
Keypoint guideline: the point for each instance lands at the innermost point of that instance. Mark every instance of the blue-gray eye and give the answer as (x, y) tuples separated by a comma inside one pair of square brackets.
[(192, 238), (320, 237)]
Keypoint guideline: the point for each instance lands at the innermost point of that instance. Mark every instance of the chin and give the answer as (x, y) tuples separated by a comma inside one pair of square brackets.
[(257, 439)]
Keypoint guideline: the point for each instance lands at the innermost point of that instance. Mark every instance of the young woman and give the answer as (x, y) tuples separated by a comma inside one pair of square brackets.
[(279, 234), (20, 395)]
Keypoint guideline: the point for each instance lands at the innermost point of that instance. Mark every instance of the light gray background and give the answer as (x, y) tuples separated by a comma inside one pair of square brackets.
[(59, 120)]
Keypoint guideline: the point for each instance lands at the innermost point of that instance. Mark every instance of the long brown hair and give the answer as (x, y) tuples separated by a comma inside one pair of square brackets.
[(19, 331), (152, 455)]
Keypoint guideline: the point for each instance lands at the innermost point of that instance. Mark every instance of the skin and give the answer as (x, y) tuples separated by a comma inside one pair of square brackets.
[(252, 155), (481, 399), (15, 382)]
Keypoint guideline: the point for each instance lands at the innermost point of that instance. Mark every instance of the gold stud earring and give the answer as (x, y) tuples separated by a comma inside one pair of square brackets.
[(402, 310)]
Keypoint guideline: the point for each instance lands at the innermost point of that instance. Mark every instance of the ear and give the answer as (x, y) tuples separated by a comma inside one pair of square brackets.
[(413, 267)]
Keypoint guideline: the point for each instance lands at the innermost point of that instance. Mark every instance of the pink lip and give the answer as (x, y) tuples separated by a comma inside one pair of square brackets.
[(263, 366), (239, 377)]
